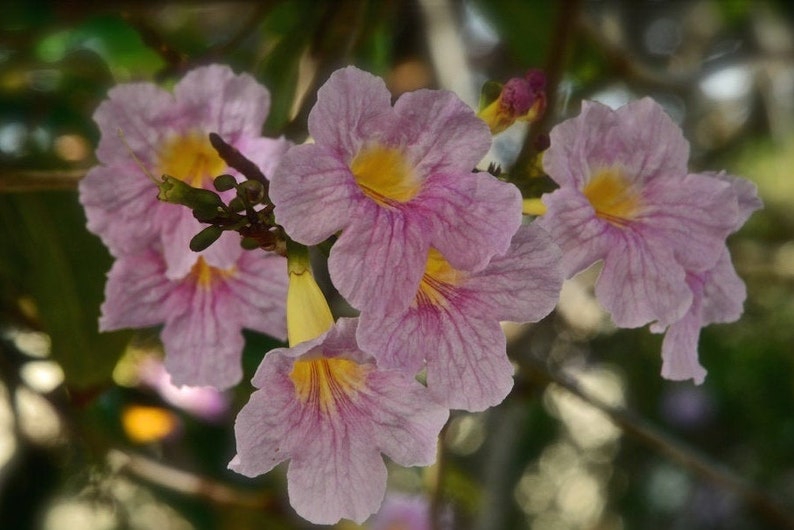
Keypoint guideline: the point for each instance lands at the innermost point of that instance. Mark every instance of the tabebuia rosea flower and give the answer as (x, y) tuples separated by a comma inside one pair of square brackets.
[(452, 326), (331, 410), (626, 197), (168, 133), (396, 181), (717, 296), (202, 299), (202, 314)]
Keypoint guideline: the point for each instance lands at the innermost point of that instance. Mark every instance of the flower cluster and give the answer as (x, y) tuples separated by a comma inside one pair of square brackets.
[(432, 253), (201, 299)]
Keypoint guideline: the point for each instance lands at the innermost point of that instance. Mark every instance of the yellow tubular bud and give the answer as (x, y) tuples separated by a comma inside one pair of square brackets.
[(533, 207), (308, 314)]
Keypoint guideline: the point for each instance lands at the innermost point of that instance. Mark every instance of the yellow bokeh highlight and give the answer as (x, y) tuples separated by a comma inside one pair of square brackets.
[(438, 282), (613, 197), (384, 175), (325, 383), (191, 158), (145, 424)]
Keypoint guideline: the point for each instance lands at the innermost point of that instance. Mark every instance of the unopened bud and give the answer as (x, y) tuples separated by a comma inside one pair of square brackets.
[(205, 238), (253, 191), (176, 191), (224, 182), (520, 99)]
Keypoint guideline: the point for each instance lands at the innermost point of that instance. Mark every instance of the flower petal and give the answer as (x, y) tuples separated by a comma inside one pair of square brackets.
[(352, 108), (201, 347), (724, 292), (473, 216), (571, 220), (522, 285), (313, 190), (377, 262), (441, 133), (135, 292), (340, 476), (640, 284), (691, 216), (120, 204), (680, 348), (215, 99)]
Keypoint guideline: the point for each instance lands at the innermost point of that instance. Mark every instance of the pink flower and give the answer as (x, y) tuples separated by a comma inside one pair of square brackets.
[(717, 296), (452, 327), (405, 512), (396, 181), (202, 314), (626, 198), (169, 134), (202, 299), (329, 409)]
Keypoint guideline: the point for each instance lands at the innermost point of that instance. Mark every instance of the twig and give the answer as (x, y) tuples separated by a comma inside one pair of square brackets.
[(185, 482), (767, 507), (31, 180)]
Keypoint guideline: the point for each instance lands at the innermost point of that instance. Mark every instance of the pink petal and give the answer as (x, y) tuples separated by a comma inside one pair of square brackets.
[(571, 220), (202, 348), (135, 293), (640, 284), (352, 108), (472, 216), (724, 292), (377, 262), (523, 285), (442, 134), (214, 99), (680, 348), (313, 191), (691, 216)]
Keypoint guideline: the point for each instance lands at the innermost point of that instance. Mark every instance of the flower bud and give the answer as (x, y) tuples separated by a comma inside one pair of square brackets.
[(308, 314), (205, 238), (520, 99), (224, 182), (176, 191)]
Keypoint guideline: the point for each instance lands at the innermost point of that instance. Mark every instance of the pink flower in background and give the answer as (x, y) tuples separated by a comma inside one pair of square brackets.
[(209, 404), (325, 406), (202, 314), (396, 181), (626, 198), (452, 327), (717, 296), (407, 512), (168, 132)]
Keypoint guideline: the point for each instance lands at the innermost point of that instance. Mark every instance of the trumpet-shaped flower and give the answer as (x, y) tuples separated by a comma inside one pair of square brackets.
[(717, 296), (168, 133), (396, 181), (452, 326), (202, 314), (330, 410), (626, 198)]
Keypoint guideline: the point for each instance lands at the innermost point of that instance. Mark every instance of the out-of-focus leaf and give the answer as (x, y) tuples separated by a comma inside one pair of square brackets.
[(119, 45), (64, 271), (525, 26), (293, 24)]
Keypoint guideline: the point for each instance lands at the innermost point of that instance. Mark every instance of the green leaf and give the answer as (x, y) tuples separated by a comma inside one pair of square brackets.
[(64, 271)]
